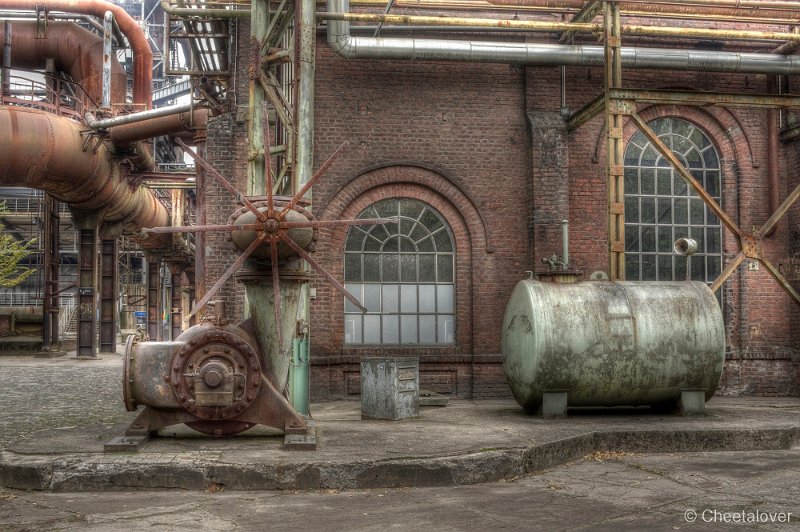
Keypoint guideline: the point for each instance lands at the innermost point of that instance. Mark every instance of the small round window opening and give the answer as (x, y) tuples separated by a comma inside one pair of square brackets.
[(403, 273)]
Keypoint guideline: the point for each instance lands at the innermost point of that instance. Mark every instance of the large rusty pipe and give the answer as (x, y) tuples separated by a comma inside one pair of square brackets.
[(48, 152), (142, 55), (75, 50), (187, 121)]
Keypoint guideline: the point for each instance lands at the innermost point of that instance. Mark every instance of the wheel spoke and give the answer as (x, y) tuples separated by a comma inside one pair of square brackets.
[(203, 228), (276, 288), (334, 223), (330, 278), (225, 276), (302, 192), (222, 181), (267, 160)]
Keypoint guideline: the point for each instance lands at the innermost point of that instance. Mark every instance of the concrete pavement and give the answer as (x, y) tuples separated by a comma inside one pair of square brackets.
[(57, 413), (602, 491)]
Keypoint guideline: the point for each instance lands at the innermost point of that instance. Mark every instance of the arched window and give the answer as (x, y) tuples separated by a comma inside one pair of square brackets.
[(660, 207), (403, 274)]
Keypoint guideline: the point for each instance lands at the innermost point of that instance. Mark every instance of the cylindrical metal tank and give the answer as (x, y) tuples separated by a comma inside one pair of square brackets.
[(612, 343)]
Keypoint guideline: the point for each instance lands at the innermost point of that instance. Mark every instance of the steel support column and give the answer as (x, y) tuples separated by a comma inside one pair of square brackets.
[(176, 300), (154, 298), (87, 303), (50, 338), (108, 295), (615, 160)]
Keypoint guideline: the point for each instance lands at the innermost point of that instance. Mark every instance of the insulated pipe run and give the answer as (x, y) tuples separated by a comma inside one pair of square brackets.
[(46, 152), (143, 56), (351, 47)]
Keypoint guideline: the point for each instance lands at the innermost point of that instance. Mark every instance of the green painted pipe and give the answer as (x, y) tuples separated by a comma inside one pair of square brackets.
[(299, 375)]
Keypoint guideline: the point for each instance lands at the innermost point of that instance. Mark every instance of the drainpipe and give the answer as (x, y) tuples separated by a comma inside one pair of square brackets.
[(142, 55), (773, 181), (351, 47)]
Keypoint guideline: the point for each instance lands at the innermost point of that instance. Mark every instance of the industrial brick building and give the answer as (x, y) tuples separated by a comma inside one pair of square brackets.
[(486, 147), (482, 158)]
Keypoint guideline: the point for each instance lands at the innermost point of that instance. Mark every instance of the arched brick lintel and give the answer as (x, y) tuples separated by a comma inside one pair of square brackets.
[(403, 172), (721, 126)]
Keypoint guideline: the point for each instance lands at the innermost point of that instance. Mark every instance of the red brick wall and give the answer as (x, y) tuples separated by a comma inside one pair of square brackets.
[(480, 144)]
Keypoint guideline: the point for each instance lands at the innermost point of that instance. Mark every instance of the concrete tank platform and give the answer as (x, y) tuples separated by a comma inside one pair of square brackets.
[(57, 413)]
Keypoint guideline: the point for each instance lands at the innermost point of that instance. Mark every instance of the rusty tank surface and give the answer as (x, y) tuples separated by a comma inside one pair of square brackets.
[(612, 343)]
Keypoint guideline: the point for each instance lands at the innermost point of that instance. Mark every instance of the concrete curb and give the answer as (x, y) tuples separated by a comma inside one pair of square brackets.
[(81, 472)]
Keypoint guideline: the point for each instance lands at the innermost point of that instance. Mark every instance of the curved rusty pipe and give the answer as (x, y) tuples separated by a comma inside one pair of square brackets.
[(142, 55), (75, 50), (44, 151)]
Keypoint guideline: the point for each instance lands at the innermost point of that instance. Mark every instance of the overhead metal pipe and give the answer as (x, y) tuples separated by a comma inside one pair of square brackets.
[(203, 12), (349, 46), (75, 50), (50, 153), (175, 123), (754, 8), (549, 26), (142, 55), (106, 123)]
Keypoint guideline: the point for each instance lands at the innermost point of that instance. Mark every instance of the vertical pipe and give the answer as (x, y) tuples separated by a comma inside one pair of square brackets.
[(304, 130), (565, 243), (108, 19), (108, 295), (87, 303), (6, 87), (259, 21), (773, 182), (300, 377), (305, 35)]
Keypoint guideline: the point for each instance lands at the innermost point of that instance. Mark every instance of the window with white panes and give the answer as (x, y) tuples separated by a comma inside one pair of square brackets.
[(660, 207), (403, 273)]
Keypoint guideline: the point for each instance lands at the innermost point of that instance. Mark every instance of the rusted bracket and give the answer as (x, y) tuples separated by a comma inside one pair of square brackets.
[(749, 244), (41, 21), (587, 13)]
